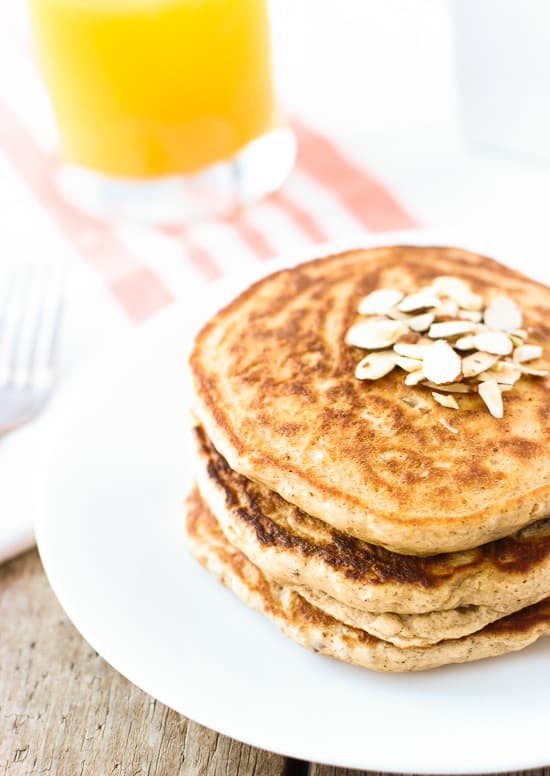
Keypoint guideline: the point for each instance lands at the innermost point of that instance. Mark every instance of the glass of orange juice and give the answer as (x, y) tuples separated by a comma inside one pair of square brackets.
[(165, 108)]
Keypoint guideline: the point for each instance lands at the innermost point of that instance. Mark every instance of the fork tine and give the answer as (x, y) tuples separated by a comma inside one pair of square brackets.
[(33, 277), (46, 330), (13, 307)]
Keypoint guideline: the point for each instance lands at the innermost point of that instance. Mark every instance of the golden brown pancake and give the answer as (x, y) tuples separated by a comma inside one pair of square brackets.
[(294, 548), (320, 632), (275, 390), (412, 630)]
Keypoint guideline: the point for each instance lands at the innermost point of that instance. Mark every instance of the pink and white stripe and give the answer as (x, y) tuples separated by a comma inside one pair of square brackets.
[(144, 268)]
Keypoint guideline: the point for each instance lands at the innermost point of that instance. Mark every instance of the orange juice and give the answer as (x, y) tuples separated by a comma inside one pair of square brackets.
[(144, 88)]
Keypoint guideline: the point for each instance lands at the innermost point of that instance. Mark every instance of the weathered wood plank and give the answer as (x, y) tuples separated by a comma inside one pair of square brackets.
[(65, 712)]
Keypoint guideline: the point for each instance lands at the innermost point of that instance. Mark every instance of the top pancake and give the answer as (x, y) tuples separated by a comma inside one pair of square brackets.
[(275, 390)]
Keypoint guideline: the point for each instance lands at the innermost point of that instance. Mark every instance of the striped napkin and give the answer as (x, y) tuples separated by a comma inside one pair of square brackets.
[(120, 274), (326, 197)]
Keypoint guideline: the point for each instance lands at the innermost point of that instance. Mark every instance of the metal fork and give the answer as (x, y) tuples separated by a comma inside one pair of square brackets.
[(30, 316)]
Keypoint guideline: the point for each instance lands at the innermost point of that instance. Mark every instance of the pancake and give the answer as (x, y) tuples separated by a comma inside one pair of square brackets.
[(412, 630), (315, 630), (274, 387), (293, 548)]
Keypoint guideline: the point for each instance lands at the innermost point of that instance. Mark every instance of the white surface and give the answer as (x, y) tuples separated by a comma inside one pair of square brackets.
[(503, 73), (366, 67), (110, 536)]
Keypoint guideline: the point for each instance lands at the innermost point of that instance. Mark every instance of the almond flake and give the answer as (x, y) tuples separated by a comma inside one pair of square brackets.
[(503, 376), (493, 342), (379, 301), (411, 350), (417, 301), (465, 343), (395, 315), (408, 364), (421, 322), (447, 309), (413, 378), (459, 291), (502, 314), (471, 302), (409, 338), (491, 395), (519, 333), (529, 370), (450, 286), (477, 363), (450, 328), (470, 315), (445, 400), (375, 334), (527, 353), (442, 364), (448, 426), (375, 365), (451, 387)]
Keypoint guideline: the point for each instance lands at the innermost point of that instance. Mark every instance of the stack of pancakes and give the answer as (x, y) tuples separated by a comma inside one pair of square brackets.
[(352, 513)]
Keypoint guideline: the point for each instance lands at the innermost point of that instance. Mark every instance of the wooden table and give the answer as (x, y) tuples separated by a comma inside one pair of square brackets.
[(65, 712)]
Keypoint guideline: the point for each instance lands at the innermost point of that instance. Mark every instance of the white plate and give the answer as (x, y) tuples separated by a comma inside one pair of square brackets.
[(110, 536)]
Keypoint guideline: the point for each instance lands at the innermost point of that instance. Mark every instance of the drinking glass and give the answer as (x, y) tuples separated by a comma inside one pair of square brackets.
[(165, 108)]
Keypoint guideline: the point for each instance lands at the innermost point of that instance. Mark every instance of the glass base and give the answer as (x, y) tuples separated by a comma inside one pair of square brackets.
[(258, 169)]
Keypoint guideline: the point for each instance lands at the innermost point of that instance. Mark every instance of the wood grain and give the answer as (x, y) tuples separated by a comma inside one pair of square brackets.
[(65, 712)]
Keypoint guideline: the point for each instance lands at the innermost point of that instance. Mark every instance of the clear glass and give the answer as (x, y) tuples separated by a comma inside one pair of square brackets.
[(165, 108)]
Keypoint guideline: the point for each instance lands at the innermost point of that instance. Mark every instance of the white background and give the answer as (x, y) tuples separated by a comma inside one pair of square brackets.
[(382, 76)]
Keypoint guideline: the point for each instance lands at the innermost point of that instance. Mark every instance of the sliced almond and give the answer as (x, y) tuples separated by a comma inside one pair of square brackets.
[(491, 395), (450, 329), (519, 334), (379, 301), (471, 302), (409, 338), (451, 286), (477, 363), (442, 364), (445, 400), (465, 343), (395, 315), (408, 364), (470, 315), (375, 334), (413, 378), (459, 291), (503, 314), (451, 387), (411, 350), (493, 342), (527, 353), (421, 322), (375, 365), (446, 309), (444, 422), (418, 301), (529, 370), (503, 376)]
